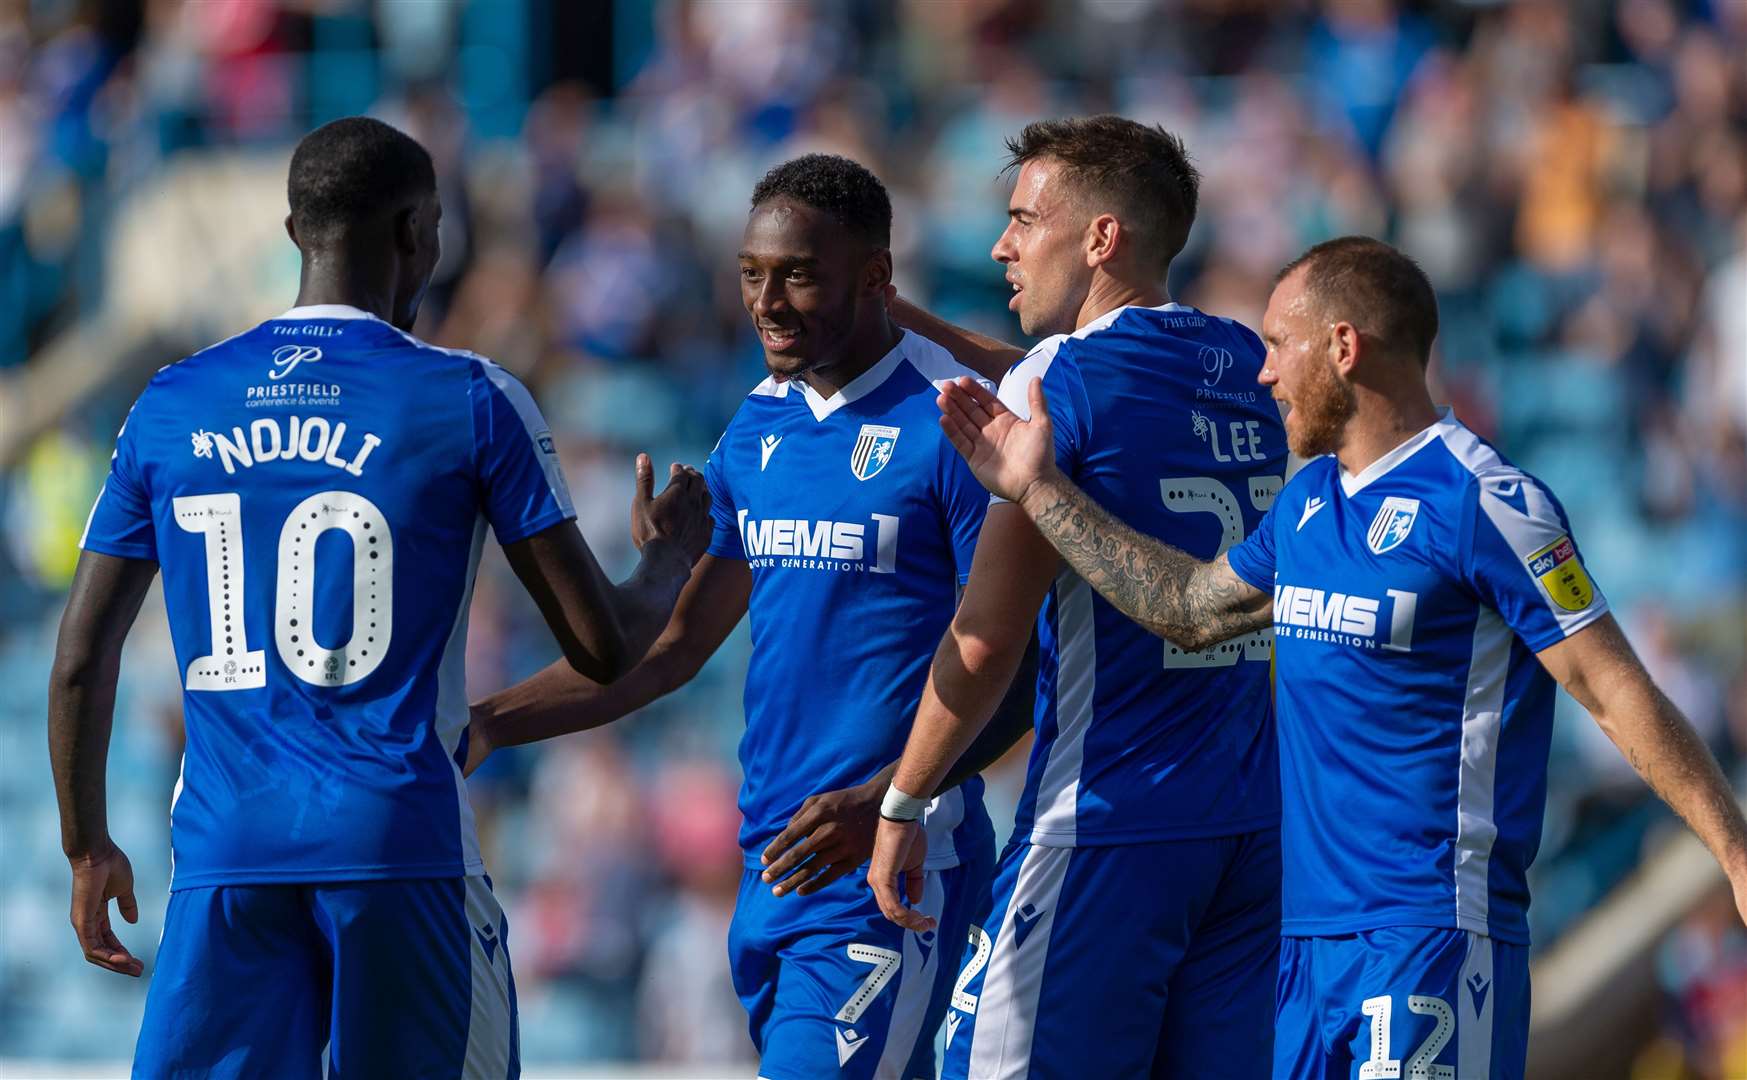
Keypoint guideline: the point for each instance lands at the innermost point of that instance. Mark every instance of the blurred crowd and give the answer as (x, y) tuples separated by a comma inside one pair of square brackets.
[(1571, 173)]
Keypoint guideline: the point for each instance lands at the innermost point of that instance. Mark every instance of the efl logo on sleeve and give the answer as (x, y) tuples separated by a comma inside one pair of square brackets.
[(1561, 573)]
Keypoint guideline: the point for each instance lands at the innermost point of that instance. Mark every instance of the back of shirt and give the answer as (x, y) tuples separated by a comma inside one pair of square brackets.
[(316, 493), (1159, 418)]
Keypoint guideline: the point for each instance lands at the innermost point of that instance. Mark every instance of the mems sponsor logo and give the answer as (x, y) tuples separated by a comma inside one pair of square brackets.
[(812, 544), (1340, 618)]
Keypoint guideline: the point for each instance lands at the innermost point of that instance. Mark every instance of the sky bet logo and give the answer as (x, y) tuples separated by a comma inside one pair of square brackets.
[(801, 544)]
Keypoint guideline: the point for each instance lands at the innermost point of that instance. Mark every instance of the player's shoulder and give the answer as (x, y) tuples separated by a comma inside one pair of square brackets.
[(760, 404), (183, 379), (934, 363), (770, 396), (1506, 493), (1046, 356)]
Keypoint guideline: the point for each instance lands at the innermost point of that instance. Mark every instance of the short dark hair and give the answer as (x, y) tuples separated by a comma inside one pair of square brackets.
[(844, 189), (352, 169), (1142, 168), (1375, 287)]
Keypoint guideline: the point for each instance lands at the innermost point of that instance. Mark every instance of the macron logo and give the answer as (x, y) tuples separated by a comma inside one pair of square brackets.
[(1023, 920), (1478, 985), (848, 1042), (766, 447), (1311, 506), (487, 936), (953, 1020)]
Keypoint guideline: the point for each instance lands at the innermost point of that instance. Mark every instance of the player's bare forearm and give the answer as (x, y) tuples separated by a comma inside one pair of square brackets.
[(965, 685), (987, 356), (558, 701), (645, 600), (1012, 719), (1173, 594), (1598, 667), (101, 606)]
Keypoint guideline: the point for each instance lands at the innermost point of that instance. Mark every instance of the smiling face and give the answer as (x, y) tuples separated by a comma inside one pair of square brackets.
[(1301, 371), (1042, 249), (803, 279)]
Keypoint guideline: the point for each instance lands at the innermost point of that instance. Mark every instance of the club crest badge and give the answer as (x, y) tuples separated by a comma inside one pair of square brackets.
[(1393, 522), (873, 448)]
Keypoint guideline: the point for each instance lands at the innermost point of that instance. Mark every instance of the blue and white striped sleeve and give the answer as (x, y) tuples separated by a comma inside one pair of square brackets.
[(521, 480), (1524, 564), (121, 519), (1062, 393)]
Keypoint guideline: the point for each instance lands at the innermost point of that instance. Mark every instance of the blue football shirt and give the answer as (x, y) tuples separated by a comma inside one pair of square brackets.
[(857, 520), (1158, 418), (1409, 603), (316, 493)]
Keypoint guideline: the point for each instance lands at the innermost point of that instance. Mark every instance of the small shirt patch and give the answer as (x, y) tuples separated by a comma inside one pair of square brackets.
[(1561, 573)]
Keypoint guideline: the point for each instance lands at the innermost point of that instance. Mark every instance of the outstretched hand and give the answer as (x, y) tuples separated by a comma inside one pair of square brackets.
[(681, 513), (98, 879), (1007, 454)]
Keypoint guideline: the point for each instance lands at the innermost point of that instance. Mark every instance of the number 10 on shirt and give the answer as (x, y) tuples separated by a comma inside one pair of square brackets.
[(232, 665)]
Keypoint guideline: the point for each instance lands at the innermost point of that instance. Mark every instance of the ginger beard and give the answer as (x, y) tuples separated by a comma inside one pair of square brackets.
[(1321, 406)]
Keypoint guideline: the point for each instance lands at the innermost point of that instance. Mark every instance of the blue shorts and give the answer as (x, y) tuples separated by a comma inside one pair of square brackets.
[(1134, 960), (832, 988), (393, 978), (1414, 1000)]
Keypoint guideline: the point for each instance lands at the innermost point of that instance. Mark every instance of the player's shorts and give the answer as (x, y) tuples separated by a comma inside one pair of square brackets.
[(1134, 960), (832, 988), (1414, 1000), (393, 978)]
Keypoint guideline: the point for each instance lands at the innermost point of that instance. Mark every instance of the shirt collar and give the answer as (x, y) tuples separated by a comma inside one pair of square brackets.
[(858, 387), (1351, 485), (324, 311)]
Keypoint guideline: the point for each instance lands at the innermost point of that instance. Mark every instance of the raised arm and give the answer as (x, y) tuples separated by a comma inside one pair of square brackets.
[(1192, 603), (987, 356), (603, 629), (1598, 667), (557, 701), (101, 607)]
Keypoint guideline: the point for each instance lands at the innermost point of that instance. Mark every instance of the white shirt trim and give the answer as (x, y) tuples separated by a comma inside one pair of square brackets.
[(324, 311), (1351, 485), (859, 387)]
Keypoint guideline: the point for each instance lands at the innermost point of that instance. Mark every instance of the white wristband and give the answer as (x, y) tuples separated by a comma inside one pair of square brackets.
[(897, 806)]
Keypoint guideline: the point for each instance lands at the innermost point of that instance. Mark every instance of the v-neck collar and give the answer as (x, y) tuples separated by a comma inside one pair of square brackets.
[(324, 311), (859, 387), (1351, 485)]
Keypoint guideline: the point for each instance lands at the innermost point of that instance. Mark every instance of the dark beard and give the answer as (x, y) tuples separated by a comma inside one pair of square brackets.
[(1321, 410)]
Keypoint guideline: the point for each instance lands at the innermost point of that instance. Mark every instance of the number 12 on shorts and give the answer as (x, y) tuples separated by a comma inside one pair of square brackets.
[(1380, 1066)]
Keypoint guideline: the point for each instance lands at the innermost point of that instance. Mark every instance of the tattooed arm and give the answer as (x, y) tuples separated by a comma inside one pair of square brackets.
[(1173, 594), (1170, 592), (1597, 666)]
